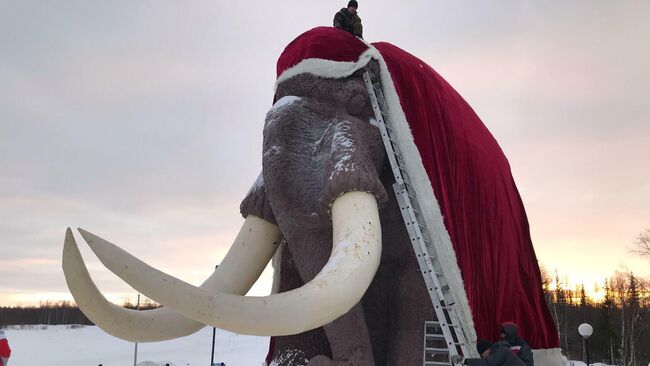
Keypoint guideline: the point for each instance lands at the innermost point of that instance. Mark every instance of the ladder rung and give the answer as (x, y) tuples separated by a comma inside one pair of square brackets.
[(440, 350), (450, 325), (449, 307)]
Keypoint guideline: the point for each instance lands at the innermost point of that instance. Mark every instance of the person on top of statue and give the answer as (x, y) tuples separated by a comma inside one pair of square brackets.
[(348, 19), (496, 354), (509, 333)]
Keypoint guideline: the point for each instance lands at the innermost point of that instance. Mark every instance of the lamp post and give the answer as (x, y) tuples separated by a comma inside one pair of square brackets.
[(135, 354), (214, 333), (585, 331)]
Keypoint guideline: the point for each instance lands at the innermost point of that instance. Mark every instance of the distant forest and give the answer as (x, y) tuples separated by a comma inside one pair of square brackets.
[(52, 313), (621, 320)]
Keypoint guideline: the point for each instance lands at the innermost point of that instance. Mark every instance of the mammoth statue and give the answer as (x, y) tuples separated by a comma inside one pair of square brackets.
[(347, 286)]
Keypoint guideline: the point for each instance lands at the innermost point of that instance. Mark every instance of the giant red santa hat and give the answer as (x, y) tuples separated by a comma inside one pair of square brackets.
[(463, 182)]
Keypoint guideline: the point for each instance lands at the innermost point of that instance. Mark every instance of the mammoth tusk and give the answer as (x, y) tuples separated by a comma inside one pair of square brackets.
[(333, 292), (253, 248)]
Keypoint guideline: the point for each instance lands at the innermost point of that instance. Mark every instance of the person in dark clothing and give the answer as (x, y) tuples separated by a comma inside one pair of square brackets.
[(348, 19), (496, 354), (509, 333)]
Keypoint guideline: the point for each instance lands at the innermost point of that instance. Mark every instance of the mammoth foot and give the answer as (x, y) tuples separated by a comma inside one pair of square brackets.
[(355, 360)]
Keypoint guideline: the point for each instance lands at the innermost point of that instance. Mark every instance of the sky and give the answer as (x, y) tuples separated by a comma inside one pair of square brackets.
[(143, 123)]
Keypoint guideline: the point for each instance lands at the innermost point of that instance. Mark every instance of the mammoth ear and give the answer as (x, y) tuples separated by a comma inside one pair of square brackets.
[(358, 105), (256, 202)]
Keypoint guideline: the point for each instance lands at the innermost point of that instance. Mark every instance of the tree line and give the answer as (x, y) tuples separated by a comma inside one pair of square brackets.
[(54, 312), (620, 320)]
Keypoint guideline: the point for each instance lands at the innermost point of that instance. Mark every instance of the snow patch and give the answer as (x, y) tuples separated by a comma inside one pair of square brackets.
[(89, 345), (293, 356), (272, 115), (283, 102), (318, 143), (151, 363), (342, 148)]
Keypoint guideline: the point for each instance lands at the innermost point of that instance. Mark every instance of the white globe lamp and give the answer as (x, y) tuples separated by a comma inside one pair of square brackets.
[(586, 331)]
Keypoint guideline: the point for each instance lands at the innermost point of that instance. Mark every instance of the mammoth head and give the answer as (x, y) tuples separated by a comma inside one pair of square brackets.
[(319, 142), (322, 158)]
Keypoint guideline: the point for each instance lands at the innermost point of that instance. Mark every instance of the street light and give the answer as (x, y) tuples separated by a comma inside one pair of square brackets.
[(214, 335), (135, 354), (585, 331)]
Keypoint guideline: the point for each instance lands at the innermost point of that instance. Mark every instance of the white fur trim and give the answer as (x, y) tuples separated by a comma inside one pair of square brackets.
[(327, 68), (414, 166), (549, 357)]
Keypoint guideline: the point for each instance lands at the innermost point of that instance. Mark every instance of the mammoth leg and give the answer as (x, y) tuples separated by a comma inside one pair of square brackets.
[(293, 350), (412, 308), (348, 335), (349, 340)]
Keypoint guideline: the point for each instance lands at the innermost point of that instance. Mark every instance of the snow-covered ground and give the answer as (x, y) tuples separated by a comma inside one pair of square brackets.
[(90, 346)]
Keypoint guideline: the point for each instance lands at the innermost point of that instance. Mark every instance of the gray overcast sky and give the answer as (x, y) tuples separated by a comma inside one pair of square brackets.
[(143, 123)]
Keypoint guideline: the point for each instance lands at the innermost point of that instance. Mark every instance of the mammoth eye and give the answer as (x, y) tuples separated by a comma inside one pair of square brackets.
[(356, 105)]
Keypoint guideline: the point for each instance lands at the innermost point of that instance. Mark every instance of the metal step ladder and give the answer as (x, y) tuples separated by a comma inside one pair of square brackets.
[(444, 340)]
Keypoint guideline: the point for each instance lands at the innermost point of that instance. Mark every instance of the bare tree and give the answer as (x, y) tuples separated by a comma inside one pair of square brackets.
[(642, 244), (618, 285)]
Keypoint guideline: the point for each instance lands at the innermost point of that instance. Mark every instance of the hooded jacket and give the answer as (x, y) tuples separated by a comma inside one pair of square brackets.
[(348, 22), (517, 345), (499, 356)]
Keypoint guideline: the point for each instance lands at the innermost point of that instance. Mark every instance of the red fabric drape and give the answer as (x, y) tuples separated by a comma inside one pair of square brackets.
[(5, 351), (472, 182), (321, 43)]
